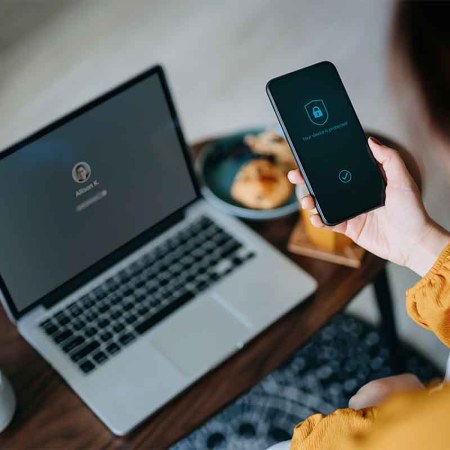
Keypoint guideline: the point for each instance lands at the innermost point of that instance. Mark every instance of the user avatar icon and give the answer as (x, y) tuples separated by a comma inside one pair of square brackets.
[(81, 172), (317, 112)]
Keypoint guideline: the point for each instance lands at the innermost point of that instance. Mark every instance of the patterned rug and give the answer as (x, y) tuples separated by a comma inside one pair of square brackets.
[(320, 377)]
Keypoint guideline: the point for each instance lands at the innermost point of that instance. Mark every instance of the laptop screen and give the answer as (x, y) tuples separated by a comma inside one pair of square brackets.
[(89, 186)]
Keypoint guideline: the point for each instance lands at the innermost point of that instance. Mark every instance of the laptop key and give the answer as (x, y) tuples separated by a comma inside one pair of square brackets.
[(85, 351), (128, 306), (90, 316), (62, 319), (202, 286), (91, 331), (142, 310), (99, 293), (88, 302), (103, 323), (78, 324), (125, 339), (99, 357), (127, 292), (87, 366), (140, 283), (106, 336), (154, 302), (115, 314), (50, 329), (148, 323), (164, 281), (236, 261), (230, 250), (222, 267), (115, 299), (214, 276), (62, 336), (131, 319), (118, 327), (103, 308), (46, 323), (73, 343), (151, 288), (112, 348), (75, 310)]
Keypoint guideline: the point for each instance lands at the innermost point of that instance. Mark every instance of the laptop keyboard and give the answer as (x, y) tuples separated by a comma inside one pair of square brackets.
[(100, 324)]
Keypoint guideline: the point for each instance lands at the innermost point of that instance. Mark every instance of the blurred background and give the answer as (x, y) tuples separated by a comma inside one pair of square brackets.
[(57, 54)]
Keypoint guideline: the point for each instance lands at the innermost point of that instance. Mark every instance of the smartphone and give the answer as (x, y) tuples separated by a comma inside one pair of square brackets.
[(328, 142)]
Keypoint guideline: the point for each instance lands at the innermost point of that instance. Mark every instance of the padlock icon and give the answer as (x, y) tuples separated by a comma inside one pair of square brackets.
[(317, 112)]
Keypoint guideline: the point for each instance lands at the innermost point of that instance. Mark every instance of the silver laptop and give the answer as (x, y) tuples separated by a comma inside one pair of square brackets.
[(113, 267)]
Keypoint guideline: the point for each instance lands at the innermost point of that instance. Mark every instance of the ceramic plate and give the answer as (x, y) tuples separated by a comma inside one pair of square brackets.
[(217, 166)]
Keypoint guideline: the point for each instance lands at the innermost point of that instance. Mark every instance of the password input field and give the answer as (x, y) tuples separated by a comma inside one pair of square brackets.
[(91, 200)]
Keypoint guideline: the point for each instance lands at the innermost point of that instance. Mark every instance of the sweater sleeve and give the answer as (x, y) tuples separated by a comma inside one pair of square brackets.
[(428, 301), (406, 421), (336, 431)]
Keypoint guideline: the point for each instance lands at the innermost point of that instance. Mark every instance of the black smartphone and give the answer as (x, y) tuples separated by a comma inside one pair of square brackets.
[(327, 141)]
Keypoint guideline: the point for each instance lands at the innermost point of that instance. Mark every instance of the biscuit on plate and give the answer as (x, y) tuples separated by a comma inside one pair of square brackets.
[(260, 184), (271, 143)]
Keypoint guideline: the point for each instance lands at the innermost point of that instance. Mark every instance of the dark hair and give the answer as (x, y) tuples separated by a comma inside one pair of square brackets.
[(80, 166), (421, 36)]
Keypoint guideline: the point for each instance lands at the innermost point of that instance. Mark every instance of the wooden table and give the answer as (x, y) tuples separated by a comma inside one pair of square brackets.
[(50, 415)]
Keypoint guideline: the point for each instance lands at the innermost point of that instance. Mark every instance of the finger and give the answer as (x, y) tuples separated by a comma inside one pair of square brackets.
[(340, 228), (316, 221), (295, 177), (393, 166), (307, 202), (374, 392), (370, 394), (365, 399)]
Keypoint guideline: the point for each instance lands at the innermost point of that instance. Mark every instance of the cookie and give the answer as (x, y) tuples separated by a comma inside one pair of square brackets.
[(271, 143), (260, 184)]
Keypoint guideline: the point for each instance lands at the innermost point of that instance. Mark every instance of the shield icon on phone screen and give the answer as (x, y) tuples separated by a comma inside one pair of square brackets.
[(317, 112)]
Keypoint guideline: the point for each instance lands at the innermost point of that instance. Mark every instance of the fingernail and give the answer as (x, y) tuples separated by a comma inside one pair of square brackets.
[(376, 141), (290, 176)]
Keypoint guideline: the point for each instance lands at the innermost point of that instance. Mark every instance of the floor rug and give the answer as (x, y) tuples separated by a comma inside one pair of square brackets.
[(320, 377)]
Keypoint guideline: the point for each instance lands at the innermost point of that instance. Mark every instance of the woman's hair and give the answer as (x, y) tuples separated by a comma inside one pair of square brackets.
[(421, 38)]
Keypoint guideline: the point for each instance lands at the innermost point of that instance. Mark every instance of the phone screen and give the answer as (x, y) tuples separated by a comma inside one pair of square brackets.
[(328, 142)]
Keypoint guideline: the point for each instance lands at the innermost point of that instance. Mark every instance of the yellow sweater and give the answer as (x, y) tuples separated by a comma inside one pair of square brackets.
[(406, 421)]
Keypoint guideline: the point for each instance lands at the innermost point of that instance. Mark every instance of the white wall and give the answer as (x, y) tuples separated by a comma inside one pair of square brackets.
[(218, 55)]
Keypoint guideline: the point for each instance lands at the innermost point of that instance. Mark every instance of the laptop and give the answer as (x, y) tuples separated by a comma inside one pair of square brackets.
[(113, 267)]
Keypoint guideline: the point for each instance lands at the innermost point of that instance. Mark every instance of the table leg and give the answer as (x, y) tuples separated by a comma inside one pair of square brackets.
[(385, 305)]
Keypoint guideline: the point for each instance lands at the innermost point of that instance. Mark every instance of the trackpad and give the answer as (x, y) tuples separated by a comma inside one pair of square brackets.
[(199, 336)]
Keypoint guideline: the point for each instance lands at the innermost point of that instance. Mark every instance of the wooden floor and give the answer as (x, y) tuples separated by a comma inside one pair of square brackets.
[(219, 56)]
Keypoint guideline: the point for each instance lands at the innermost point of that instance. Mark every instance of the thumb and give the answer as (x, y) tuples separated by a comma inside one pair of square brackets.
[(394, 168)]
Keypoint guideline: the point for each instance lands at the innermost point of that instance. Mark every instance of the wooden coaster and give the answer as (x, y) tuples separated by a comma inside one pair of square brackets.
[(299, 243)]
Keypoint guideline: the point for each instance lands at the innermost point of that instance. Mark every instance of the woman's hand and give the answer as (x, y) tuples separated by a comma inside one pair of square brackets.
[(373, 393), (401, 231)]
